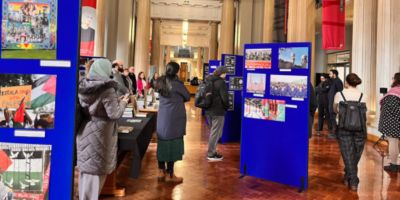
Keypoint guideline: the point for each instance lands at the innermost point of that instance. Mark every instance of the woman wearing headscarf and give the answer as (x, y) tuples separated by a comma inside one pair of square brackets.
[(389, 123), (97, 137), (171, 122)]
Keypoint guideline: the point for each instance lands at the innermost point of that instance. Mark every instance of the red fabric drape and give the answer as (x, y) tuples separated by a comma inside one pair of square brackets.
[(333, 25)]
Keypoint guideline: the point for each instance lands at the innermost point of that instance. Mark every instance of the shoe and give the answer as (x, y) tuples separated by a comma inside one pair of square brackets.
[(173, 179), (391, 168), (331, 136), (354, 187), (215, 157), (161, 175)]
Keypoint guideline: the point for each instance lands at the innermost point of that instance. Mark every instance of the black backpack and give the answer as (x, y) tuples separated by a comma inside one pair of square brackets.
[(352, 115), (203, 97)]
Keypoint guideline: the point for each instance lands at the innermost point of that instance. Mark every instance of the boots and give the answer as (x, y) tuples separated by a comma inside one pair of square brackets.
[(161, 175), (173, 179)]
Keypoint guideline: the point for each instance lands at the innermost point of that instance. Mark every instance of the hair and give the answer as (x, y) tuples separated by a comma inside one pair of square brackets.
[(141, 74), (396, 80), (114, 65), (334, 71), (353, 80), (164, 82)]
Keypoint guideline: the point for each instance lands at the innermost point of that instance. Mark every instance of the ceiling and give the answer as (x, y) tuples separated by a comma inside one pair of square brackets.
[(198, 34)]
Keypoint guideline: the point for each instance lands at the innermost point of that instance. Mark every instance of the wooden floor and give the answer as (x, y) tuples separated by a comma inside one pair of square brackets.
[(205, 180)]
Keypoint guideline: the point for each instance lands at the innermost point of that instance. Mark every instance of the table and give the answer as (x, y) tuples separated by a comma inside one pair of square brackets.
[(136, 142)]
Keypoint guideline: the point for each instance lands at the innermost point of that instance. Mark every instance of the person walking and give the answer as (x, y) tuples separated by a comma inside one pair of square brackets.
[(97, 136), (216, 112), (389, 122), (351, 143), (335, 87), (323, 111), (171, 123)]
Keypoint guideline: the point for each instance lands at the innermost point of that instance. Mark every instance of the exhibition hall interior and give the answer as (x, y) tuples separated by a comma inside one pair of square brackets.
[(199, 99)]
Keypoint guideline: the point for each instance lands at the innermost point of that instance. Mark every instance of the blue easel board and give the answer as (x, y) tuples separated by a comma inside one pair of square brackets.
[(61, 136), (274, 144), (214, 64), (232, 125)]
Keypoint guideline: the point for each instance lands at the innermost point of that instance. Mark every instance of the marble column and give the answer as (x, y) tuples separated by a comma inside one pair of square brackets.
[(100, 28), (142, 40), (227, 28), (268, 28), (388, 47), (301, 26), (199, 62), (213, 47), (155, 43), (364, 48), (123, 32)]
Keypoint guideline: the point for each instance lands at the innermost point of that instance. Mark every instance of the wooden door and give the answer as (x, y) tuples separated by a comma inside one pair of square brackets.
[(183, 72)]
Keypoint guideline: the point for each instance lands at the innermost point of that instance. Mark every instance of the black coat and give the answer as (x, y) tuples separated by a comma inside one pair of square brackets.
[(171, 118), (322, 93), (133, 78), (336, 86), (220, 102)]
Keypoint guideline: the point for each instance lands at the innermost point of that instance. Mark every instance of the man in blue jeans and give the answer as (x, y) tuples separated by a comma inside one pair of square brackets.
[(216, 113)]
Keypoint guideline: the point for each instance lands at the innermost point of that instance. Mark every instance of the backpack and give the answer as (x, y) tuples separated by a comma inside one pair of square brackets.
[(352, 115), (203, 97)]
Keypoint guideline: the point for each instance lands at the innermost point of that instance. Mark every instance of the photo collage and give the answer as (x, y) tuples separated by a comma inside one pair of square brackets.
[(29, 29), (261, 83)]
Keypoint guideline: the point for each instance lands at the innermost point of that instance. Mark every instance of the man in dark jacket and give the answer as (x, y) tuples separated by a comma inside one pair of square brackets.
[(133, 78), (336, 86), (216, 113), (323, 102), (118, 69)]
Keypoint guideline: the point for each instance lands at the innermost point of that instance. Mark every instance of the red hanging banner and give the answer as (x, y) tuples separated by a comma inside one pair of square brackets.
[(333, 25), (88, 27)]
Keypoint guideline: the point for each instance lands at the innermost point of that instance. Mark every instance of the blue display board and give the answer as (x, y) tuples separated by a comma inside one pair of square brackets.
[(40, 150), (234, 80), (274, 144), (213, 65)]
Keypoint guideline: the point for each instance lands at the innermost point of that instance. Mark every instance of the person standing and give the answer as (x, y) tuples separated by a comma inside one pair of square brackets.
[(132, 76), (389, 122), (216, 112), (171, 123), (127, 81), (351, 143), (141, 85), (335, 87), (118, 69), (97, 137), (323, 102), (153, 81)]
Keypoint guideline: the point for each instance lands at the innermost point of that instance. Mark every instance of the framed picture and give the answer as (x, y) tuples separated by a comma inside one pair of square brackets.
[(265, 109), (293, 58), (289, 86), (258, 58), (256, 83)]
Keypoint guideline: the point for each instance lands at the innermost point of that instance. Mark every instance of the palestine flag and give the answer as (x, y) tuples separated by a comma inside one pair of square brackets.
[(43, 93)]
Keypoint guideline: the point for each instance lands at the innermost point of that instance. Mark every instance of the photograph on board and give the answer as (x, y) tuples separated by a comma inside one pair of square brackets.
[(258, 58), (230, 64), (27, 101), (231, 100), (289, 86), (265, 109), (256, 83), (24, 171), (293, 58), (29, 29), (235, 83)]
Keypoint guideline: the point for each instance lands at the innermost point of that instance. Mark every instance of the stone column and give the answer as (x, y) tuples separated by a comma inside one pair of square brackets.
[(124, 31), (199, 62), (301, 26), (100, 28), (155, 43), (142, 40), (268, 28), (388, 47), (227, 28), (364, 48), (213, 50)]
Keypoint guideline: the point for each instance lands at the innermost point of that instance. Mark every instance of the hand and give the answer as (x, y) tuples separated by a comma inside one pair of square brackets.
[(125, 98)]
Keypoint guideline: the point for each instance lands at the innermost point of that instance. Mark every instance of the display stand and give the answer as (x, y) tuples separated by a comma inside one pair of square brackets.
[(45, 69), (234, 79), (274, 143)]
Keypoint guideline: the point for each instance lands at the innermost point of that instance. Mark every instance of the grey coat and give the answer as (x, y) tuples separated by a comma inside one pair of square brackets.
[(171, 119), (122, 89), (97, 138)]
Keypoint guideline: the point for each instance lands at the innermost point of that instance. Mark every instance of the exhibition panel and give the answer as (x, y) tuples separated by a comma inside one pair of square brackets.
[(38, 72), (274, 143)]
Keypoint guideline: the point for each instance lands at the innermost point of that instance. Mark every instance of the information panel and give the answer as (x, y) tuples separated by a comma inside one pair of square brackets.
[(38, 86), (274, 144)]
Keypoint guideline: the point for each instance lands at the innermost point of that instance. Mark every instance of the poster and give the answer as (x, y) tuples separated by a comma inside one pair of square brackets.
[(27, 101), (24, 171), (88, 27), (258, 59), (29, 29), (235, 83), (256, 83), (230, 64), (289, 86), (265, 109), (231, 100), (293, 58)]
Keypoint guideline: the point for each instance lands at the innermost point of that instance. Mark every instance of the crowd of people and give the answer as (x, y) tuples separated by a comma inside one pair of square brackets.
[(295, 90)]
